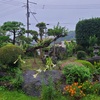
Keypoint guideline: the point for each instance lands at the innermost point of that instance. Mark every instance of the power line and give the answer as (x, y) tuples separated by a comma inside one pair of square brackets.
[(87, 6), (34, 16)]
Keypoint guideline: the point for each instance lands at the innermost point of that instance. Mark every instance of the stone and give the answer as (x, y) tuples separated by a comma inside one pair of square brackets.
[(32, 86)]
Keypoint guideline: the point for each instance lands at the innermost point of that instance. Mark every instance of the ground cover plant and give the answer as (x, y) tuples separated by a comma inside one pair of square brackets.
[(15, 95)]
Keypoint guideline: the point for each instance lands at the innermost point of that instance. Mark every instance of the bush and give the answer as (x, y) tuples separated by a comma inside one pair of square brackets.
[(78, 48), (91, 88), (75, 73), (81, 55), (12, 79), (87, 64), (9, 54), (49, 92), (97, 67)]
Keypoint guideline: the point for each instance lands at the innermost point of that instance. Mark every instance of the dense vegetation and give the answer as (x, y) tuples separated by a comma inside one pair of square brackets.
[(85, 29), (79, 78)]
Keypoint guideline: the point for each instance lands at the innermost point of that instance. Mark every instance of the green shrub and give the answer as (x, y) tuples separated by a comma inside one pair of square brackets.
[(81, 55), (97, 67), (87, 64), (91, 88), (48, 91), (70, 48), (9, 54), (12, 79), (78, 48), (51, 91), (75, 73)]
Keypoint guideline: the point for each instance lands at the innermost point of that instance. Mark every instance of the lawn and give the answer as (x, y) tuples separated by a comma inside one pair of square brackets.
[(15, 95)]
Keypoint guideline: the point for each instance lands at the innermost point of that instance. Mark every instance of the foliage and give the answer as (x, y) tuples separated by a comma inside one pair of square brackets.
[(75, 73), (74, 90), (23, 40), (57, 31), (46, 49), (31, 54), (70, 47), (79, 48), (86, 29), (48, 92), (14, 28), (82, 90), (81, 55), (92, 40), (34, 34), (49, 66), (49, 63), (91, 97), (42, 43), (15, 95), (9, 54), (4, 40), (97, 67), (13, 79), (87, 64), (91, 88)]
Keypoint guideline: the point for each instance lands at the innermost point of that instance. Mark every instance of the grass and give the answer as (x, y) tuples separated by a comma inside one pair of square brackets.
[(31, 64), (91, 97), (15, 95)]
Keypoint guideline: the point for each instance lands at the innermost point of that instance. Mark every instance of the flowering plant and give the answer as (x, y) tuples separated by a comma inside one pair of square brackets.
[(74, 90), (91, 87)]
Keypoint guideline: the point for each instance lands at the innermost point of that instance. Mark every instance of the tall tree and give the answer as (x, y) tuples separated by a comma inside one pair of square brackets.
[(14, 28)]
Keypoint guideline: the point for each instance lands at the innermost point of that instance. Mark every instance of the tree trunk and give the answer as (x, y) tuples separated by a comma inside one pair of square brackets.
[(14, 33)]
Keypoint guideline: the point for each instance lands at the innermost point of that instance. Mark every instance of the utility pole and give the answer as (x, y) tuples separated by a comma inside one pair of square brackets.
[(28, 15)]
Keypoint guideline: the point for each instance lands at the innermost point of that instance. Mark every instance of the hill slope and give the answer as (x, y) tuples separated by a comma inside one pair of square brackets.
[(69, 37)]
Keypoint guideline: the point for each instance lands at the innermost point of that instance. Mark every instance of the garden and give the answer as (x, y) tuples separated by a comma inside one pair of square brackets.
[(45, 71)]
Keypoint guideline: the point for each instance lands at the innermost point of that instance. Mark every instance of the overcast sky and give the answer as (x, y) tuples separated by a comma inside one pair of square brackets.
[(66, 12)]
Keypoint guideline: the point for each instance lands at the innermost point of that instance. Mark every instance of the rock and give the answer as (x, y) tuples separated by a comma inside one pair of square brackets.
[(32, 86), (96, 78), (94, 59)]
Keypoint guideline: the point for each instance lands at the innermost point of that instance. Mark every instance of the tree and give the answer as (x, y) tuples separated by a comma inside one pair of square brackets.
[(57, 32), (85, 29), (42, 27), (3, 38), (15, 28)]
